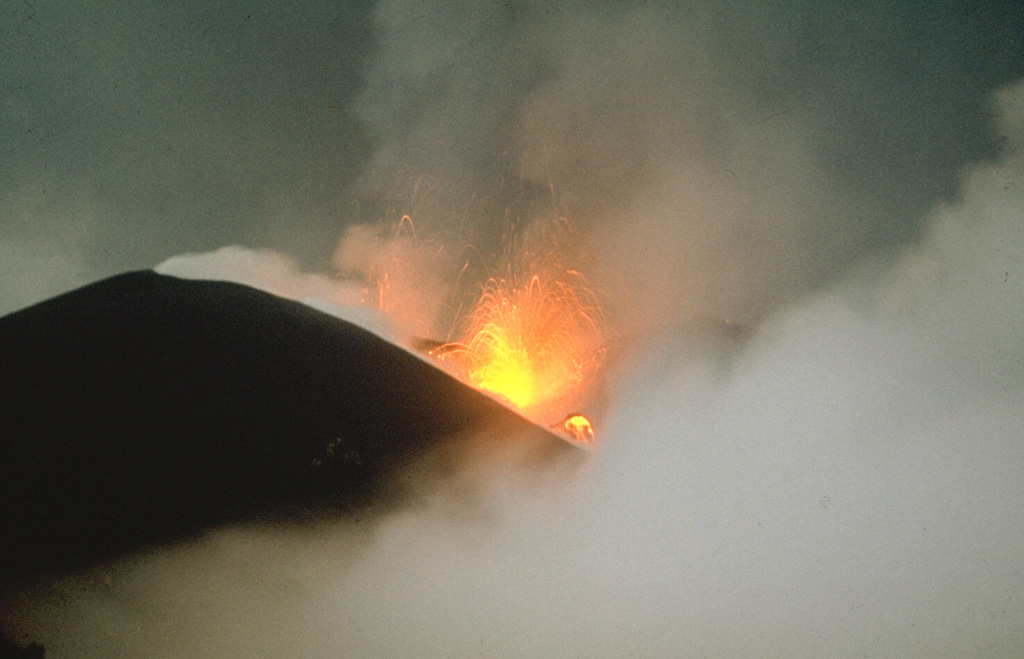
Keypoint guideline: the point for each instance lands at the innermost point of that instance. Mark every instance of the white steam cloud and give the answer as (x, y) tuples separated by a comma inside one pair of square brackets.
[(275, 273), (847, 481)]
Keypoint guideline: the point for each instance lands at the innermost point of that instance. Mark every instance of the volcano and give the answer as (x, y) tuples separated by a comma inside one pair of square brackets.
[(143, 409)]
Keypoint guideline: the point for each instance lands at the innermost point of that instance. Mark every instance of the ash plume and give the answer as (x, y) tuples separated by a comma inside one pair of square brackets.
[(722, 161)]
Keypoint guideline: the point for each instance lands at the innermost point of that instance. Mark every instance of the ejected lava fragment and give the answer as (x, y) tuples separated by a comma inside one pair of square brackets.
[(145, 408)]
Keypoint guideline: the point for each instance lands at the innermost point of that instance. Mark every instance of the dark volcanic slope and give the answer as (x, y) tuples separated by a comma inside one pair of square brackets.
[(144, 407)]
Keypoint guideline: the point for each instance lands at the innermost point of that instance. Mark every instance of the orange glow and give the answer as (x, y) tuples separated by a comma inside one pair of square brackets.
[(532, 338), (531, 344), (579, 427)]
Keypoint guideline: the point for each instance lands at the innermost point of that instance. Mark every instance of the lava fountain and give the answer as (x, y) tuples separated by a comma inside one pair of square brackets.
[(531, 334), (534, 339), (529, 343)]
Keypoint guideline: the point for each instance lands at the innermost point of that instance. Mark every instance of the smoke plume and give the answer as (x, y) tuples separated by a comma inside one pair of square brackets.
[(721, 161), (843, 480)]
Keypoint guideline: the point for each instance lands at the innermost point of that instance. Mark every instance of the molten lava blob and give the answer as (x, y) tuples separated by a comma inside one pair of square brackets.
[(578, 427)]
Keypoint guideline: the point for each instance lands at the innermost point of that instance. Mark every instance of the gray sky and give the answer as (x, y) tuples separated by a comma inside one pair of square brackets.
[(846, 483), (135, 131)]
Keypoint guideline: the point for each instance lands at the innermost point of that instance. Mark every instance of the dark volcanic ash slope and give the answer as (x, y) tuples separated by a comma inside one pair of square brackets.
[(143, 408)]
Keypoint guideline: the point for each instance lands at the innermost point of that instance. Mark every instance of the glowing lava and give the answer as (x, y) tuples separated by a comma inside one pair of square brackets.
[(533, 338), (531, 344), (578, 426)]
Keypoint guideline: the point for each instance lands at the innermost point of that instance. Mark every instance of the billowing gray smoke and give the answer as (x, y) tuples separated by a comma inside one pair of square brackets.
[(845, 482), (721, 160)]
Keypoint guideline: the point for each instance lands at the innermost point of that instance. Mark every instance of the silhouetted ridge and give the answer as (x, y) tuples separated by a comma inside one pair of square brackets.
[(144, 407)]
